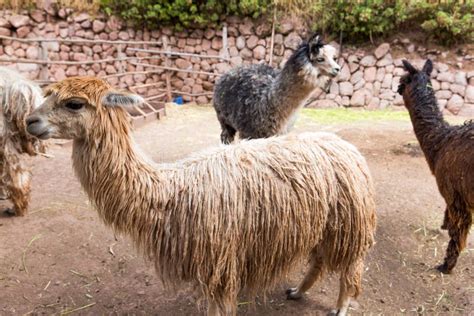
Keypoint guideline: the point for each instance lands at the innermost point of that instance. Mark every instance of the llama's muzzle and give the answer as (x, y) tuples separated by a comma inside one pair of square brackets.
[(36, 127)]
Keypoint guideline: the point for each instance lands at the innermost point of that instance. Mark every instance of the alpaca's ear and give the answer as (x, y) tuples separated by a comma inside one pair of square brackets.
[(428, 67), (408, 67), (315, 44), (120, 99)]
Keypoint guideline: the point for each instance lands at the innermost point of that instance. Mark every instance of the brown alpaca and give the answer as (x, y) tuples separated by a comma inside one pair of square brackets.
[(18, 98), (228, 219), (449, 151)]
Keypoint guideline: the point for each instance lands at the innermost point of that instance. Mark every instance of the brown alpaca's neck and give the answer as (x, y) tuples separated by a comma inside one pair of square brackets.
[(428, 124), (123, 186)]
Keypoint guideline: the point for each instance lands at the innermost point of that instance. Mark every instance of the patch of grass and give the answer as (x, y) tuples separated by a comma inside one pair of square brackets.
[(347, 115)]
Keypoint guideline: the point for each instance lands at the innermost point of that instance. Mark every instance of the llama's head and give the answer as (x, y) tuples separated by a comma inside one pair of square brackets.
[(316, 58), (77, 107), (415, 81)]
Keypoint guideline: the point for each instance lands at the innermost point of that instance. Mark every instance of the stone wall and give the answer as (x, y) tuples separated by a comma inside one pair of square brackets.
[(369, 78)]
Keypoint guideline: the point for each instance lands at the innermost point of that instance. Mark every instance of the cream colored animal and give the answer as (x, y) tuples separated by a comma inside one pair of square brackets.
[(227, 219), (18, 98)]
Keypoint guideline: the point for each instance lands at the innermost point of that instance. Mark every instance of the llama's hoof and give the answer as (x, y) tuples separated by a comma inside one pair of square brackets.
[(293, 294), (443, 268), (335, 312), (10, 212)]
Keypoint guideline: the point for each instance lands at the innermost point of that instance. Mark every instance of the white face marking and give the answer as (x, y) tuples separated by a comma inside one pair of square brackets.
[(328, 66)]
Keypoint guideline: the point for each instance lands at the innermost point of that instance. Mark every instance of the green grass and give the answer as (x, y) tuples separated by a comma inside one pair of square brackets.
[(343, 115)]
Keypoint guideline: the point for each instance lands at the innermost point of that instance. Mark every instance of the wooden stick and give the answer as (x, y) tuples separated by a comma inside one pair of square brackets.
[(156, 97), (161, 52), (272, 41), (177, 69), (78, 41), (168, 74)]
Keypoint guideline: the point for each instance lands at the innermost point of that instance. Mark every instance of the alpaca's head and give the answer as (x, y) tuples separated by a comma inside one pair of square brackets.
[(415, 82), (315, 58), (78, 107)]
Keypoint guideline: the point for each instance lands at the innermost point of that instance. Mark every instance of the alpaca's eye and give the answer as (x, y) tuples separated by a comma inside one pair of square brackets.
[(74, 105), (320, 60)]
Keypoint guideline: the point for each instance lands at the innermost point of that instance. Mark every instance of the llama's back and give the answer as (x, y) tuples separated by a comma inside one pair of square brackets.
[(241, 96), (268, 203)]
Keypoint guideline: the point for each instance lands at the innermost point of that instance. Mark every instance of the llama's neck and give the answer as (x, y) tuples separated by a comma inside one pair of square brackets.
[(127, 190), (292, 88), (428, 123)]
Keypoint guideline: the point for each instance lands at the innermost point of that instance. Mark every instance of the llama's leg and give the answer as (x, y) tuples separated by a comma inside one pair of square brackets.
[(459, 224), (315, 271), (227, 134), (3, 183), (350, 285), (445, 220), (213, 308), (18, 184)]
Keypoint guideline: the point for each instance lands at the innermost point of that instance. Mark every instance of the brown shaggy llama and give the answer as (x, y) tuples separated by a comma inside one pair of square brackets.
[(449, 151), (228, 219), (18, 98)]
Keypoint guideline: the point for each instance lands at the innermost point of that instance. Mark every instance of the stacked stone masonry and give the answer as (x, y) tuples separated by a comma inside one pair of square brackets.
[(368, 78)]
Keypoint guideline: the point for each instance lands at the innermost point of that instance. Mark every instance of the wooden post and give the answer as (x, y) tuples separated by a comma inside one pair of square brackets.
[(44, 72), (168, 74), (225, 48), (120, 55), (272, 41)]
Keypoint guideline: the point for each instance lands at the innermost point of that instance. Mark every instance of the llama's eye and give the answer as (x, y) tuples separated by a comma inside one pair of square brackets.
[(320, 60), (74, 105)]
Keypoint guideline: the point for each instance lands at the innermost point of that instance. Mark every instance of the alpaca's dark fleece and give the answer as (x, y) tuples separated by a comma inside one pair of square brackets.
[(449, 151)]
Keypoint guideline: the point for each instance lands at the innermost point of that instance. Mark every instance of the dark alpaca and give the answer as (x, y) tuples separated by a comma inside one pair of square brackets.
[(449, 151), (259, 101)]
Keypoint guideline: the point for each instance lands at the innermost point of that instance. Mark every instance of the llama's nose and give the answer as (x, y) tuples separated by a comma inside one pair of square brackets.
[(32, 120)]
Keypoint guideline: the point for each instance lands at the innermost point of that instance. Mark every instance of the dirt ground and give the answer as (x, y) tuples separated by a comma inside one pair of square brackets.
[(61, 259)]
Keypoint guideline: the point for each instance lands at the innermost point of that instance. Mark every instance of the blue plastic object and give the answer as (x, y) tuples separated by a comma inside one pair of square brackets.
[(178, 100)]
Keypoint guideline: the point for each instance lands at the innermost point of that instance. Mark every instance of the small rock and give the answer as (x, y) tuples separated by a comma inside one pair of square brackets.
[(323, 104), (380, 74), (446, 77), (435, 84), (246, 28), (124, 36), (345, 73), (387, 60), (4, 23), (19, 20), (382, 50), (285, 28), (398, 71), (183, 64), (441, 67), (395, 83), (60, 74), (5, 32), (467, 110), (455, 103), (356, 77), (359, 84), (398, 100), (368, 61), (79, 57), (38, 16), (443, 94), (346, 88), (23, 31), (374, 103), (460, 78), (81, 17), (98, 26), (32, 52), (240, 42), (359, 97), (411, 48), (252, 42), (259, 52), (293, 41), (469, 94), (387, 81), (370, 73), (223, 67), (458, 89)]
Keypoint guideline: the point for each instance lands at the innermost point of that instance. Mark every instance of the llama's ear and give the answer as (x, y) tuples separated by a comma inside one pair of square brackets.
[(315, 44), (428, 67), (408, 67), (120, 99)]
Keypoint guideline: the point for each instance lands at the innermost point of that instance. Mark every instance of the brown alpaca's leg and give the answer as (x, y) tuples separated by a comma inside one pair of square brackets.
[(315, 271), (459, 225), (445, 220), (350, 285)]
